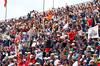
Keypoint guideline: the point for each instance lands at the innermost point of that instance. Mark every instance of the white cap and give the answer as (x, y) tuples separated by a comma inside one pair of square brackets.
[(24, 59), (70, 52), (15, 59), (45, 58), (91, 61), (36, 63), (85, 61), (56, 56), (52, 54), (26, 52), (30, 63), (29, 53), (20, 52), (88, 46), (73, 44)]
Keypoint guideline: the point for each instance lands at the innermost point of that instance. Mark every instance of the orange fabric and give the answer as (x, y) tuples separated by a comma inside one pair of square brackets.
[(47, 17), (50, 16)]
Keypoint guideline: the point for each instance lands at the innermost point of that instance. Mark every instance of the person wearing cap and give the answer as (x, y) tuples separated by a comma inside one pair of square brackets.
[(96, 49), (95, 58), (24, 61), (32, 59), (51, 63), (75, 54), (70, 54), (11, 63), (84, 63), (52, 56), (56, 60), (89, 50), (15, 60), (30, 64), (92, 63), (88, 58), (37, 64), (61, 60)]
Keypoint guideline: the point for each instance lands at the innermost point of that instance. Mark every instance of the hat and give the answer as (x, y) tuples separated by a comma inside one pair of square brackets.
[(70, 52), (74, 41), (88, 46), (56, 56), (24, 59), (91, 61), (37, 63), (73, 44), (74, 20), (94, 54), (30, 63), (45, 58), (20, 52), (85, 61), (29, 53), (52, 54), (26, 52)]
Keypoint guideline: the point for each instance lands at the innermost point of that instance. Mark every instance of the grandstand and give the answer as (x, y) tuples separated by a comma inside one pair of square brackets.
[(59, 37)]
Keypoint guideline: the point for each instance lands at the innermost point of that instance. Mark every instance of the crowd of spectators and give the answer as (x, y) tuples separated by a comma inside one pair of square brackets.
[(58, 37)]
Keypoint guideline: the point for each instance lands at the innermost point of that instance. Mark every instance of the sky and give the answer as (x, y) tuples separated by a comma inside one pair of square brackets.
[(17, 8)]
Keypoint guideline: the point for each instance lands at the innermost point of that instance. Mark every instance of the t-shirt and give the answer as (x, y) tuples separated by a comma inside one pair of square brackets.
[(90, 22), (56, 62)]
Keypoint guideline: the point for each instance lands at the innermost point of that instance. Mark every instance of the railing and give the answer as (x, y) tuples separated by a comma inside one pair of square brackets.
[(45, 11)]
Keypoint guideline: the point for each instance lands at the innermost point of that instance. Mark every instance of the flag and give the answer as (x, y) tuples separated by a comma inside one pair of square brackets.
[(5, 3)]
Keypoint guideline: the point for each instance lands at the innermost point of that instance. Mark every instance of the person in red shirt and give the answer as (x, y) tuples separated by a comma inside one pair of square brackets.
[(90, 22), (32, 59), (71, 36), (20, 63), (24, 62)]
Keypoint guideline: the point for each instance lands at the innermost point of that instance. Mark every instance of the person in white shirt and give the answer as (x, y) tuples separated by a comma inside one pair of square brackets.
[(11, 63), (39, 54), (20, 45), (75, 63), (56, 60)]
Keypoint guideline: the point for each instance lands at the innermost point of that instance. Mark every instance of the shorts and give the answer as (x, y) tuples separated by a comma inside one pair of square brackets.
[(47, 50)]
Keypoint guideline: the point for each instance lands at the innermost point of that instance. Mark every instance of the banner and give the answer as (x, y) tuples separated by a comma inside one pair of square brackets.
[(93, 32)]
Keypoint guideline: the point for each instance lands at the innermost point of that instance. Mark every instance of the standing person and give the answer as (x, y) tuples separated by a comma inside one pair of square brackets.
[(90, 22), (48, 45)]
